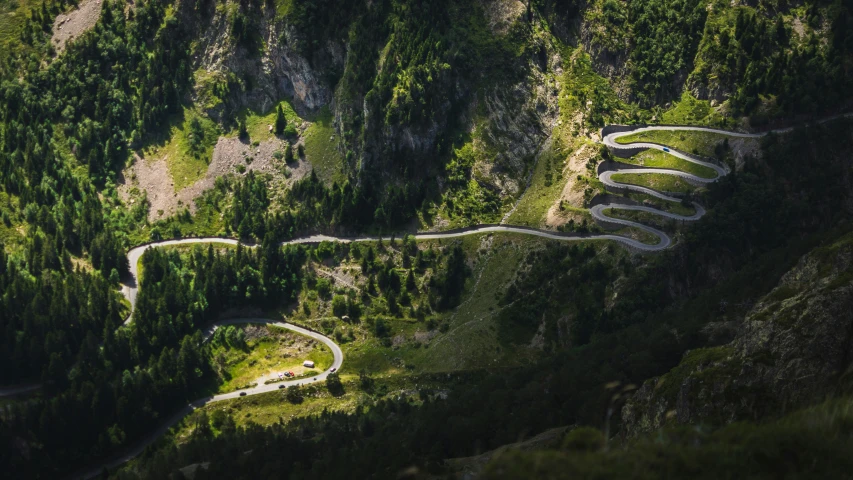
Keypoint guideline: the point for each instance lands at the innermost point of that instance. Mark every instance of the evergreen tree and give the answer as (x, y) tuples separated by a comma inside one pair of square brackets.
[(410, 281), (280, 122), (243, 132)]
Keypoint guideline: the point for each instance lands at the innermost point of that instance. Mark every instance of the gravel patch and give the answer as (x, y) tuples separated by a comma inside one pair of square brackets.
[(425, 337), (68, 26), (571, 195), (502, 14), (231, 155)]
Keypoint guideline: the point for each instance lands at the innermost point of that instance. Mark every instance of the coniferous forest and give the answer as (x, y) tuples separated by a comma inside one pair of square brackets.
[(435, 239)]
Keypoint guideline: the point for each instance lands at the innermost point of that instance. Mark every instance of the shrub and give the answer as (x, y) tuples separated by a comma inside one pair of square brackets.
[(280, 121), (381, 329), (196, 137), (365, 381), (293, 394), (339, 305), (242, 132), (333, 383), (584, 439), (324, 287)]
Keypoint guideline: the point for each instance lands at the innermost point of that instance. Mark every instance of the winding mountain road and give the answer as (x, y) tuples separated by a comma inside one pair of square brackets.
[(18, 389), (598, 212), (164, 427)]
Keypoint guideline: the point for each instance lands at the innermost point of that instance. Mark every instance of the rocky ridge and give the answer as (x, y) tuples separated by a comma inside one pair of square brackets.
[(793, 348)]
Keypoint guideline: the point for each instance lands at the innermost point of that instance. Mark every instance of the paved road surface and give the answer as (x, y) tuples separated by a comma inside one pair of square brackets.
[(164, 427), (131, 285), (18, 389)]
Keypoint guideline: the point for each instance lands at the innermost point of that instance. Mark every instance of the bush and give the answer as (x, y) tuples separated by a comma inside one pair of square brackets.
[(328, 325), (293, 394), (324, 287), (339, 305), (243, 132), (280, 121), (584, 439), (217, 418), (381, 329), (342, 335), (333, 383), (365, 381), (196, 137)]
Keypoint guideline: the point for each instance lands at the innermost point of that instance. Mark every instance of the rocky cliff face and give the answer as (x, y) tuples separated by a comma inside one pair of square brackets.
[(514, 124), (610, 63), (794, 348), (512, 118), (264, 76)]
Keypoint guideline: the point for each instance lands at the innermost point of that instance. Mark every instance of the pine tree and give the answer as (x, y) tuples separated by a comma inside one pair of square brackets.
[(410, 281), (243, 131), (280, 121)]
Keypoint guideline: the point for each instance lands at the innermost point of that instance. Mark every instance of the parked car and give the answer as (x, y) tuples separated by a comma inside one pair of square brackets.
[(242, 394)]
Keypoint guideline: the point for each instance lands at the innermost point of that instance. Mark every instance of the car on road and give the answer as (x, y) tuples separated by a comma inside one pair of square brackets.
[(242, 394), (665, 149), (281, 386), (333, 369)]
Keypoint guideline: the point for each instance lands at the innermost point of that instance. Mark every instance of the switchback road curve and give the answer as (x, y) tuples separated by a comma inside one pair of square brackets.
[(598, 212), (164, 427), (131, 287)]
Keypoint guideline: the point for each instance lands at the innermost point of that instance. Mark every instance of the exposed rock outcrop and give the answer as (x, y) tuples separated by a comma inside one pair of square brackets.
[(278, 71), (512, 117), (73, 24), (794, 348)]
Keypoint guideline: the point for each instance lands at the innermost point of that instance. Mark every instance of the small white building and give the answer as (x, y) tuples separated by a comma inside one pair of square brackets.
[(308, 364)]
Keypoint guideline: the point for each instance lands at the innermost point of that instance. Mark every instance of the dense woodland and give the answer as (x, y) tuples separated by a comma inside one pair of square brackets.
[(747, 51), (631, 342), (138, 374), (68, 125)]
